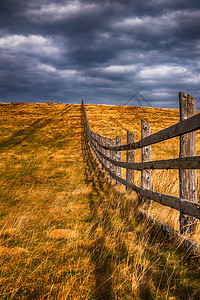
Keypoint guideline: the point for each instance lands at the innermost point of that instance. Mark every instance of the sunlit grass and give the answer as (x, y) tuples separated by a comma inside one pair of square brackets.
[(67, 234)]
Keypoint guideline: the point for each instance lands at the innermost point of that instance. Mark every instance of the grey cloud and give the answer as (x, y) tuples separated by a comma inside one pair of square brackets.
[(99, 50)]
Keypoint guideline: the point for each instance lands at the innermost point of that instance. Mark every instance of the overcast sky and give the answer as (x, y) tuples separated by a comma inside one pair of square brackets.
[(141, 52)]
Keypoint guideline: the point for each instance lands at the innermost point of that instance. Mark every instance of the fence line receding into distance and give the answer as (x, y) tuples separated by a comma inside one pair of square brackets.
[(108, 153)]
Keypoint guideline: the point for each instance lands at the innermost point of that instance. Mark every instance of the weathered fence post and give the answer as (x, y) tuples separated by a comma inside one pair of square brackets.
[(112, 156), (118, 158), (97, 146), (187, 178), (130, 158), (146, 156), (101, 140), (107, 163), (92, 137)]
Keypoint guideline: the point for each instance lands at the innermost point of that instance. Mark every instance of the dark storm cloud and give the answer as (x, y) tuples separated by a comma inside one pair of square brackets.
[(102, 51)]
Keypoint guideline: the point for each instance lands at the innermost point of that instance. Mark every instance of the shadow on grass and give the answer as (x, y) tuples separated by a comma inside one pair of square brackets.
[(24, 134), (102, 263), (173, 267), (103, 197)]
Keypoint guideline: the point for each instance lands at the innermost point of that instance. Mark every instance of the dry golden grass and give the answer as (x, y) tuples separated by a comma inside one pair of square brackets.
[(67, 234)]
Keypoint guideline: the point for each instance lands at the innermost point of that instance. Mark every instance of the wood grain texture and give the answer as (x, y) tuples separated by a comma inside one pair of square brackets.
[(146, 156), (130, 158), (187, 178)]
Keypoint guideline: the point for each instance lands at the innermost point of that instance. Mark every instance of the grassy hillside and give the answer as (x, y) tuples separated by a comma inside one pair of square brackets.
[(67, 234)]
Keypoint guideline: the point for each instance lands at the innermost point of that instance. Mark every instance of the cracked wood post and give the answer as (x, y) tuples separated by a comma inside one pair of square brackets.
[(187, 177), (146, 156), (118, 158), (130, 158)]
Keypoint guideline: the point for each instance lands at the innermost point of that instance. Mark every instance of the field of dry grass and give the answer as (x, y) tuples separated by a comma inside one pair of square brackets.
[(67, 234)]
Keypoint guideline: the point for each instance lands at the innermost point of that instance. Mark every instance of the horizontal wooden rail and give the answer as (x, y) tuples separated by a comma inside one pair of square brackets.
[(176, 163), (182, 205), (186, 126)]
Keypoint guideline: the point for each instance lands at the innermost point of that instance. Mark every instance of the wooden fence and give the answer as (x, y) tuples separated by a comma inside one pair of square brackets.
[(108, 153)]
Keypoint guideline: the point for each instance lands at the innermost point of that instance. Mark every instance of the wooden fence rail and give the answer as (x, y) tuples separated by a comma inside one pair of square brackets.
[(186, 126), (109, 157), (176, 163)]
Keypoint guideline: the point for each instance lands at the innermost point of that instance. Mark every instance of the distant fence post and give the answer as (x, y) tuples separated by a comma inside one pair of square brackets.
[(118, 158), (146, 156), (130, 158), (187, 178)]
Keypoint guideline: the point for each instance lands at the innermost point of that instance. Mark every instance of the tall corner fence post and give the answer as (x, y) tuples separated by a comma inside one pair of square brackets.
[(130, 158), (187, 177), (146, 156), (118, 158)]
